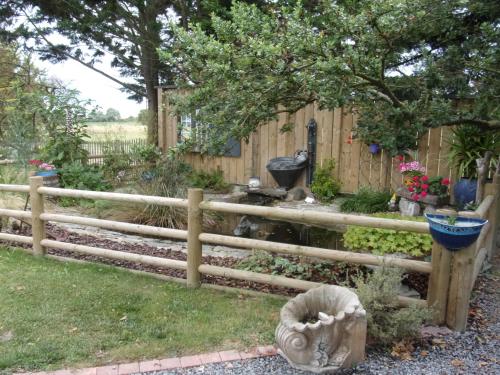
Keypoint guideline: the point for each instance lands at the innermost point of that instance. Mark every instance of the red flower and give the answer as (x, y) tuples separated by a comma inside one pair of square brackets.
[(414, 197), (411, 190), (35, 162), (416, 178), (416, 184), (423, 194), (445, 181), (401, 157), (424, 186), (425, 178)]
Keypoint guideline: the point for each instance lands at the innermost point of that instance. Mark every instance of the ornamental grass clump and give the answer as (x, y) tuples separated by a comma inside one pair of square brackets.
[(366, 201), (387, 323)]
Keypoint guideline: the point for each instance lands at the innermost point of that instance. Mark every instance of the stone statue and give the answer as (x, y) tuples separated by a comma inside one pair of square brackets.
[(322, 330)]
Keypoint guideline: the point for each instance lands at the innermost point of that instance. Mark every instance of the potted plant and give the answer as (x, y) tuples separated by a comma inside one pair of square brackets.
[(453, 232), (410, 170), (468, 144), (47, 171), (428, 190)]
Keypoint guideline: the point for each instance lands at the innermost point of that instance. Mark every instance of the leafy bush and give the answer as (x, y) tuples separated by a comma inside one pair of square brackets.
[(146, 154), (65, 145), (325, 185), (387, 322), (212, 180), (117, 161), (366, 201), (80, 176), (382, 241)]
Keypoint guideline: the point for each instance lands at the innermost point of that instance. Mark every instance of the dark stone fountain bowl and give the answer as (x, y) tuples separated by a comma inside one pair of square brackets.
[(286, 170)]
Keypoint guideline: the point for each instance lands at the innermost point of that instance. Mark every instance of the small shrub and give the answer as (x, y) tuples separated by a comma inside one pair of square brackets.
[(367, 201), (85, 177), (383, 241), (325, 186), (387, 323), (116, 162), (146, 154), (212, 180)]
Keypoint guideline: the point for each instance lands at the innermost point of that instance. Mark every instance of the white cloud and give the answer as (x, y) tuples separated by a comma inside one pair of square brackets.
[(93, 85)]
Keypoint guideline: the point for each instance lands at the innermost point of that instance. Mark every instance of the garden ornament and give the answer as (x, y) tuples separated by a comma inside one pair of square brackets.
[(322, 330)]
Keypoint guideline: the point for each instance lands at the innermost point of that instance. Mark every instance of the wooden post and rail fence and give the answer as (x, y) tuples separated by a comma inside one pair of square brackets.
[(452, 275)]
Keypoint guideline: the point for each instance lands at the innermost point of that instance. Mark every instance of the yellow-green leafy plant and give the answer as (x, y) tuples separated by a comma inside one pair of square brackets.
[(387, 241)]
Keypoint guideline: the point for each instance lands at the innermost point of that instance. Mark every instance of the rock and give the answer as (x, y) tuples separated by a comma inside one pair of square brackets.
[(408, 208), (14, 224), (295, 194), (406, 291)]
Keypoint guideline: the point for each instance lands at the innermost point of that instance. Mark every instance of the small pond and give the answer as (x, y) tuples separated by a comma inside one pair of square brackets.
[(274, 230)]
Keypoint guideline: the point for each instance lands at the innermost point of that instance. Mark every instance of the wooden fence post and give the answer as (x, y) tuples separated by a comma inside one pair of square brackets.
[(439, 282), (462, 273), (37, 225), (493, 214), (195, 221)]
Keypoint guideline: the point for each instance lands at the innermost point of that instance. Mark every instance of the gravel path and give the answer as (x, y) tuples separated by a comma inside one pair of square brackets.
[(476, 351)]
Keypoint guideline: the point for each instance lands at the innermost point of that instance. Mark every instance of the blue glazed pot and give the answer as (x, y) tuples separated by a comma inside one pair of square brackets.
[(46, 173), (374, 148), (457, 236), (465, 191)]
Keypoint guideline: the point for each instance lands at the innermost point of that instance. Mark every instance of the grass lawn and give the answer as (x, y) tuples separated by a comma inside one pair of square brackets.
[(55, 314), (107, 131)]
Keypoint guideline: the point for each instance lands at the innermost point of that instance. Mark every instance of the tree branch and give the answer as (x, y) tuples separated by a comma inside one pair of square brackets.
[(90, 66)]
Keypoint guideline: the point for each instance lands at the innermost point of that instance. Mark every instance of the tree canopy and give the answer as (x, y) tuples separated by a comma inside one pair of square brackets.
[(404, 66), (132, 31)]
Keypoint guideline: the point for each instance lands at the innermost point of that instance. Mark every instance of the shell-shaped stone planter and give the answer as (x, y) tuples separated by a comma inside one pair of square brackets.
[(335, 339)]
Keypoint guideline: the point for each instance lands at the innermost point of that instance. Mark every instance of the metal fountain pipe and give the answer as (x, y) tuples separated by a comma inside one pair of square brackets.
[(311, 149)]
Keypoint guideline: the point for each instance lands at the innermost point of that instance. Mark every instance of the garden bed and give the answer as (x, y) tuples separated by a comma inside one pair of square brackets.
[(414, 280)]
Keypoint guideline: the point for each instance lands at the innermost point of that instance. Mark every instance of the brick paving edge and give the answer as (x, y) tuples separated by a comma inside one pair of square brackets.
[(165, 364)]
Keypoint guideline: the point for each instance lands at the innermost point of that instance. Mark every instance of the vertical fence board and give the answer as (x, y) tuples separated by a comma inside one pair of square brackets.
[(356, 166)]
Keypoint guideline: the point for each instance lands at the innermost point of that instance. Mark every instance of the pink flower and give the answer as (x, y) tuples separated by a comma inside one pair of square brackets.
[(414, 197), (424, 186), (35, 162), (423, 194), (415, 178), (425, 178), (411, 190), (445, 181)]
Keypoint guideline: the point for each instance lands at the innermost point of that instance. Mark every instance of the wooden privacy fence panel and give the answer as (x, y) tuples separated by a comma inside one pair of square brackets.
[(356, 166)]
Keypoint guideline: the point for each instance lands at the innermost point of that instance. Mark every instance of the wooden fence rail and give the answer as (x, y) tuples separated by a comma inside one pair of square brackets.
[(452, 275)]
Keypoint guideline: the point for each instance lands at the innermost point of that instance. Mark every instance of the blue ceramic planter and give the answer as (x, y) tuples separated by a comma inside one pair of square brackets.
[(46, 173), (465, 191), (374, 148), (454, 237)]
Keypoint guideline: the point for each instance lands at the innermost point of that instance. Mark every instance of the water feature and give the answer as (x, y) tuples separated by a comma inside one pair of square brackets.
[(277, 231)]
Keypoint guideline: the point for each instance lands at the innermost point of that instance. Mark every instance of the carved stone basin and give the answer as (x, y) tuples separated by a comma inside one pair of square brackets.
[(322, 330)]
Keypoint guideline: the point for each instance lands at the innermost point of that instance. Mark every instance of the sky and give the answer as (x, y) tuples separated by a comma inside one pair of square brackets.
[(92, 85)]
